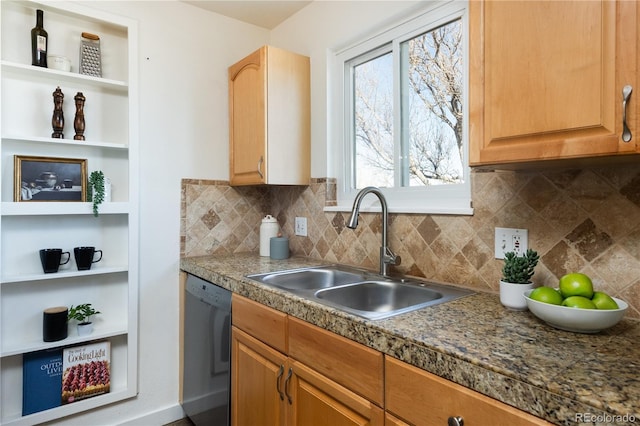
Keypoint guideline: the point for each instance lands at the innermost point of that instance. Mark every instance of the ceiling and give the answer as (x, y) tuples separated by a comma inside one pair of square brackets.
[(263, 13)]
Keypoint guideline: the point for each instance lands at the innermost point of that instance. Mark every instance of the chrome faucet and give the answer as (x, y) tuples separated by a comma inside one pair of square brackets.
[(387, 257)]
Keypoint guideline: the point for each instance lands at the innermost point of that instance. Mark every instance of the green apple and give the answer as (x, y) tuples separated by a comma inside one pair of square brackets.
[(546, 295), (603, 301), (576, 284), (578, 302)]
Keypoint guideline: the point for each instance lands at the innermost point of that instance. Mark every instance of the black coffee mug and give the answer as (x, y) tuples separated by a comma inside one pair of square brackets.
[(84, 257), (52, 259)]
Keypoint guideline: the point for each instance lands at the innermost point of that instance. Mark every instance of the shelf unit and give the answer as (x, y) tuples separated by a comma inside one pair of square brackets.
[(111, 145)]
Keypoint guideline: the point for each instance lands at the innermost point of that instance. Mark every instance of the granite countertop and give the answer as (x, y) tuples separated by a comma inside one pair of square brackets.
[(563, 377)]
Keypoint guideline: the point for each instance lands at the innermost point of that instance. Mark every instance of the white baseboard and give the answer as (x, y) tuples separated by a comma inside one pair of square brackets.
[(157, 418)]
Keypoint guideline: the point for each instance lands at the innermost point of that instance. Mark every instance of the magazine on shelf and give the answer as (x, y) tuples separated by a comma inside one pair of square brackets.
[(41, 380), (86, 371)]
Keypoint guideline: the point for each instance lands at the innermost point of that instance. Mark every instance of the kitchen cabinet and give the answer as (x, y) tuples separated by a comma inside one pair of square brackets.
[(257, 378), (422, 398), (546, 80), (110, 145), (269, 119), (276, 357), (270, 385)]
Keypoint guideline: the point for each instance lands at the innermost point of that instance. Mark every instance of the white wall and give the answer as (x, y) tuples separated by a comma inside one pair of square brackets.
[(184, 55)]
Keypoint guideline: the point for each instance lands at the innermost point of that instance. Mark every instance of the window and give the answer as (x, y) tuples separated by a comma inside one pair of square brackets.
[(403, 125)]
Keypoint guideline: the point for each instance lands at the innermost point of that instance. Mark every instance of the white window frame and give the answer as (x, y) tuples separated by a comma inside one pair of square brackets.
[(436, 199)]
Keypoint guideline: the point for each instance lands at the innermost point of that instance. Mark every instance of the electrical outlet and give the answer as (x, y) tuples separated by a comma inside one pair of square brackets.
[(301, 226), (511, 239)]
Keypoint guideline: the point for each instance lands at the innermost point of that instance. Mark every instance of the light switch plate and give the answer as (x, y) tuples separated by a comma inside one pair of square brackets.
[(301, 226), (511, 239)]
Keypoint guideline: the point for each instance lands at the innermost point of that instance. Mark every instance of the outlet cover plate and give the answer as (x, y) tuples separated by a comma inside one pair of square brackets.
[(511, 239), (301, 226)]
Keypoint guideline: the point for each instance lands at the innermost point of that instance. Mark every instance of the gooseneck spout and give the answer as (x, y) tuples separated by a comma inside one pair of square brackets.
[(387, 257)]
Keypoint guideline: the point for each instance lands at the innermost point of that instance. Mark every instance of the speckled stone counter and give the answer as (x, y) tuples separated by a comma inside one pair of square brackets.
[(566, 378)]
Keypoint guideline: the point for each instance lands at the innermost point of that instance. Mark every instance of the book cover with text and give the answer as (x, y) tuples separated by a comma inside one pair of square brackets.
[(41, 380), (86, 371)]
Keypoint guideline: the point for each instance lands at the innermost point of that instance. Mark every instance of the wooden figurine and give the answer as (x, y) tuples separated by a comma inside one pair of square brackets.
[(57, 121), (78, 122)]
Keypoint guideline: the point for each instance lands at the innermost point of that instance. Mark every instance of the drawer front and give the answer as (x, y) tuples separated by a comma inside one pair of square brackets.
[(422, 398), (344, 361), (263, 323)]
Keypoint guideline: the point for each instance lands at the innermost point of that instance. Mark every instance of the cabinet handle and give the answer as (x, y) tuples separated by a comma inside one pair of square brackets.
[(455, 421), (260, 161), (286, 385), (626, 94), (280, 373)]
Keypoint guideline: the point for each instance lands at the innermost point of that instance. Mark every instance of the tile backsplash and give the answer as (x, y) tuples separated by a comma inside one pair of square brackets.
[(583, 220)]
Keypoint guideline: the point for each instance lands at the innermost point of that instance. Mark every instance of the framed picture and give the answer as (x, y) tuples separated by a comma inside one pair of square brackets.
[(49, 179)]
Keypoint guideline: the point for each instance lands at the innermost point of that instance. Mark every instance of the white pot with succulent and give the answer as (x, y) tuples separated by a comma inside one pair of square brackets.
[(82, 314), (516, 279)]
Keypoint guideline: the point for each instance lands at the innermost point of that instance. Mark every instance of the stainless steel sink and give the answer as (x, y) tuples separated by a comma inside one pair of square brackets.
[(305, 279), (360, 292)]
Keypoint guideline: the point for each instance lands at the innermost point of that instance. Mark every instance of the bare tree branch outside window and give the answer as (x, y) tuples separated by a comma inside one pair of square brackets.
[(432, 112)]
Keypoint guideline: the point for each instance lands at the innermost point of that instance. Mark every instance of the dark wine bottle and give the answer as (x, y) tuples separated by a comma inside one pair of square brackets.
[(39, 42)]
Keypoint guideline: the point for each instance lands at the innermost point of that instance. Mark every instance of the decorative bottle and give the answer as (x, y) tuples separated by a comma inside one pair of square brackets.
[(39, 42), (268, 229)]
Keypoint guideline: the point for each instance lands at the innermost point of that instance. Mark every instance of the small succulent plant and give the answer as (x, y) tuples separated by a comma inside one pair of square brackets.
[(519, 269)]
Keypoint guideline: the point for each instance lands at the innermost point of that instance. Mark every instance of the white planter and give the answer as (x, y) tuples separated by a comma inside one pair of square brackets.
[(512, 295), (85, 329)]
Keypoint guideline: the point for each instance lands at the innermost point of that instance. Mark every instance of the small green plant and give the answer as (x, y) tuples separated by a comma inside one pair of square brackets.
[(519, 269), (96, 190), (82, 313)]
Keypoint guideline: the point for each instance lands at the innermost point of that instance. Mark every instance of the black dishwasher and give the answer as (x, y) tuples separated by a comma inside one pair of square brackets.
[(207, 353)]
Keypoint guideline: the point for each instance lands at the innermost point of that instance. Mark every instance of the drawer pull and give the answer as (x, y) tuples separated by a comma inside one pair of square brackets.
[(286, 385), (280, 373), (455, 421), (626, 94)]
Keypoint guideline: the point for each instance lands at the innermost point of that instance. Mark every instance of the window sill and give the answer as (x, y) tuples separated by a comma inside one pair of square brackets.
[(468, 211)]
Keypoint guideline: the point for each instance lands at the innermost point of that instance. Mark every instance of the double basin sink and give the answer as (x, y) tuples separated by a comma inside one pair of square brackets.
[(360, 292)]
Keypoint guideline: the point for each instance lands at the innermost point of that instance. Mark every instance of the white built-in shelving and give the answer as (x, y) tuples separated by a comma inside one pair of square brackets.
[(111, 145)]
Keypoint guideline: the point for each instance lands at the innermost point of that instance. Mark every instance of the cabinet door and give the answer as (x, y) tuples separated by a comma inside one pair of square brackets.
[(247, 120), (257, 380), (422, 398), (317, 400), (547, 78)]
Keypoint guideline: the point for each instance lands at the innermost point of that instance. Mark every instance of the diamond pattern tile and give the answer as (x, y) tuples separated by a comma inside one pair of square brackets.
[(582, 220)]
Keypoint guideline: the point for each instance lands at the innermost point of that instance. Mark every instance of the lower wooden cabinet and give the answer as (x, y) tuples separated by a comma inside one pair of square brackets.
[(422, 398), (268, 386), (287, 372), (256, 382), (317, 400)]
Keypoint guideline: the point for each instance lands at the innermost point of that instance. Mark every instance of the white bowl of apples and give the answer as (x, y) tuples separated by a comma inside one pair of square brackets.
[(575, 306)]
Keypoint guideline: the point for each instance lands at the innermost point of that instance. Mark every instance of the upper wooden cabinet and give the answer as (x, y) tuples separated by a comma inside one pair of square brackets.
[(269, 119), (546, 79)]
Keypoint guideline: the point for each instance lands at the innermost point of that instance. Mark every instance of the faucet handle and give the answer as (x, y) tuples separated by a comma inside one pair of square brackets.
[(390, 257)]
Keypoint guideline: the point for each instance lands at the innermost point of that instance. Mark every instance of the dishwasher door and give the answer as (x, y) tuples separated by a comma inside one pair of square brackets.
[(207, 353)]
